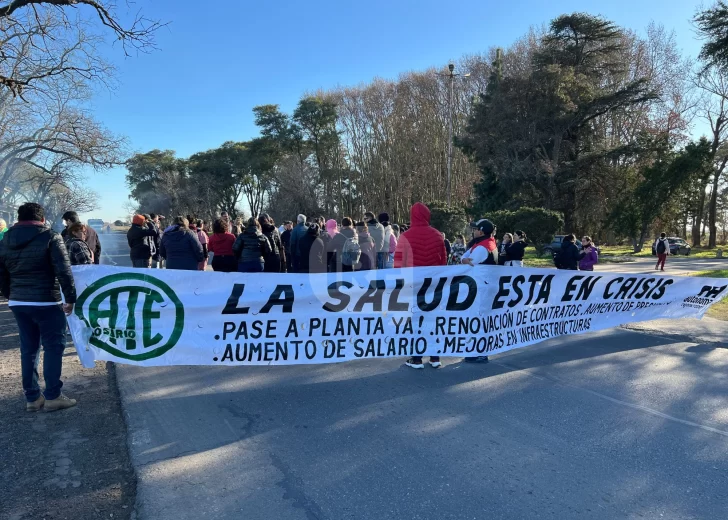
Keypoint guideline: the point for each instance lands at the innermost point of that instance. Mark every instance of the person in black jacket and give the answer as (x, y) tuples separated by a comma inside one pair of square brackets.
[(251, 248), (516, 250), (286, 244), (141, 242), (34, 269), (275, 262), (92, 238), (569, 256), (180, 247), (313, 251)]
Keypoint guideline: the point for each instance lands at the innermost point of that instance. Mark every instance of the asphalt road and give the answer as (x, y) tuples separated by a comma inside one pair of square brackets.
[(619, 424), (675, 265)]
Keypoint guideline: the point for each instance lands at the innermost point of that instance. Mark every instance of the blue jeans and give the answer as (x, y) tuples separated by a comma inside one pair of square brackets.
[(251, 267), (47, 326), (382, 259)]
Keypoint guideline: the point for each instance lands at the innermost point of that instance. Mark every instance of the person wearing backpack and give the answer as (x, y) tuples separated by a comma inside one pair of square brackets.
[(569, 257), (345, 248), (662, 248)]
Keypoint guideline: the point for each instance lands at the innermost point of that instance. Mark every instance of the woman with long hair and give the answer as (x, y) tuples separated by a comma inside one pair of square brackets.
[(503, 249), (516, 250), (221, 247)]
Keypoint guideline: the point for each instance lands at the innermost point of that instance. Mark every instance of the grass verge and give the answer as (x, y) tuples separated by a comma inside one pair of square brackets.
[(720, 309)]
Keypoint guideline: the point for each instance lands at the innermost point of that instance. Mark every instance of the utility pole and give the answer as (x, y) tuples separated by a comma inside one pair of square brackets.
[(451, 76), (451, 68)]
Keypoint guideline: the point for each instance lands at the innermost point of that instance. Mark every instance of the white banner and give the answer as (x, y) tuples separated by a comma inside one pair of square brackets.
[(164, 317)]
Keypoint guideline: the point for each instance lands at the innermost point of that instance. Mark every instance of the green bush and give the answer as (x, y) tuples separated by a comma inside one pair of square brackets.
[(450, 220), (540, 225)]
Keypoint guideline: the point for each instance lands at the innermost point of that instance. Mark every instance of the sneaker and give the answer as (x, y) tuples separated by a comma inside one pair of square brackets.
[(479, 359), (435, 364), (413, 363), (35, 405), (59, 403)]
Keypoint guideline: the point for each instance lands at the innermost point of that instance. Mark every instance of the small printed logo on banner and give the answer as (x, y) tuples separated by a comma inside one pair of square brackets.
[(707, 295), (125, 313)]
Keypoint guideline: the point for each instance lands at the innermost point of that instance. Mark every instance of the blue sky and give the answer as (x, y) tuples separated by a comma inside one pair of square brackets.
[(217, 60)]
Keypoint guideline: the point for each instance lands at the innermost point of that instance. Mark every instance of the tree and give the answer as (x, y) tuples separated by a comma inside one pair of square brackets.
[(42, 40), (547, 133), (540, 225), (157, 180), (712, 25), (451, 219), (655, 185)]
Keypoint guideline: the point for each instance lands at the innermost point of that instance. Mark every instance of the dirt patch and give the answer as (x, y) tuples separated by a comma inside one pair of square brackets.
[(69, 464)]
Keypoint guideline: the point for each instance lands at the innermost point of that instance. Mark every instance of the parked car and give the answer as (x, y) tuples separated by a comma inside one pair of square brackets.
[(678, 246), (96, 224), (555, 246)]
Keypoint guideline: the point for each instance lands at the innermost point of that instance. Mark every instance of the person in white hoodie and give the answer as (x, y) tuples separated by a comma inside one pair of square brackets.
[(662, 249)]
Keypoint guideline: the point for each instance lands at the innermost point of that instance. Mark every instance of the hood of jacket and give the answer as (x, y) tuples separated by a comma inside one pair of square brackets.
[(22, 233), (419, 215)]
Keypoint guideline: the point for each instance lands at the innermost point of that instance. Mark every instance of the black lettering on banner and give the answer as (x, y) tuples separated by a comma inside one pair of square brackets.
[(646, 287), (708, 291), (310, 349), (544, 290), (394, 303), (660, 292), (292, 329), (452, 301), (343, 298), (231, 307), (227, 328), (517, 281), (585, 288), (608, 289), (436, 297), (373, 295), (626, 286), (228, 355), (498, 302), (286, 302), (400, 328)]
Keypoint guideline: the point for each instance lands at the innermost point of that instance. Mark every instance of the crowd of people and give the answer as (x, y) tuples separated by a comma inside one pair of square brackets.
[(35, 264)]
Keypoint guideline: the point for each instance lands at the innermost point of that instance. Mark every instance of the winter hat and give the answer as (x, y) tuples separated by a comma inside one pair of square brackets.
[(138, 220), (383, 217), (332, 227)]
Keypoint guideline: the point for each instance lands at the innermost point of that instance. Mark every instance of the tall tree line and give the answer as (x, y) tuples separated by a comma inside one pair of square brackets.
[(582, 117)]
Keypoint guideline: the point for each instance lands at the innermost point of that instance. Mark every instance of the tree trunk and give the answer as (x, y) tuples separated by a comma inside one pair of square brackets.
[(698, 221)]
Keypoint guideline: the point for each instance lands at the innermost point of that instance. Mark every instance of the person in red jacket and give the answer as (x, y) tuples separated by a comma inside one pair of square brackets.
[(420, 246)]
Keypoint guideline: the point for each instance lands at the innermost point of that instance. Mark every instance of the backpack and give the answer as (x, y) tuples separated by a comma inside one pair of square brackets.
[(557, 260), (660, 248), (351, 252)]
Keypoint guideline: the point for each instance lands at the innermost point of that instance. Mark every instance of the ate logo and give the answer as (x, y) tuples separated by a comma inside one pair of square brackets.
[(125, 313)]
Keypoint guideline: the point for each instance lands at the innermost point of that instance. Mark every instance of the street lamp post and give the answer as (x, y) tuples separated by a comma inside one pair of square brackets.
[(451, 76)]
